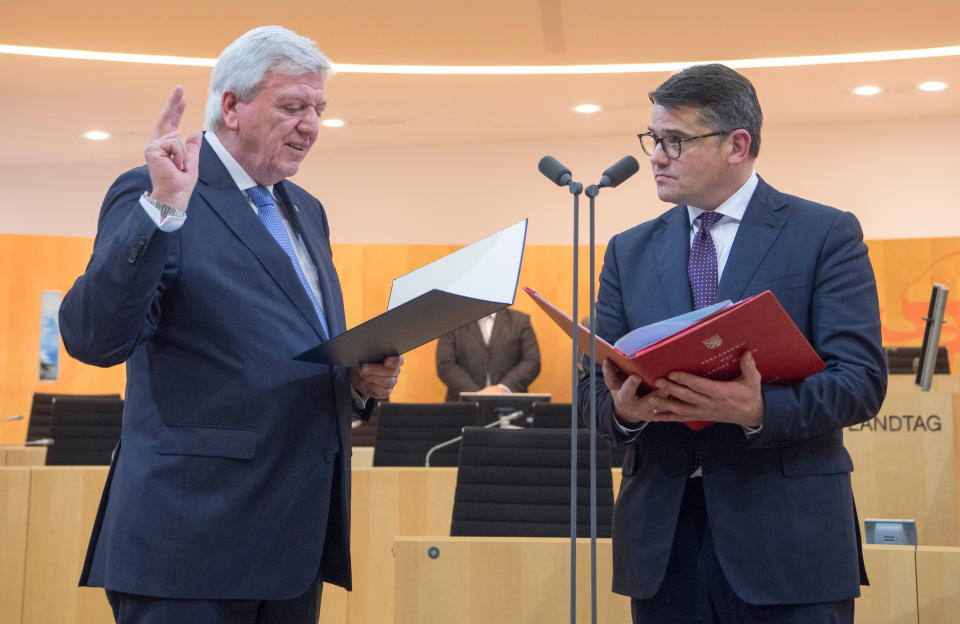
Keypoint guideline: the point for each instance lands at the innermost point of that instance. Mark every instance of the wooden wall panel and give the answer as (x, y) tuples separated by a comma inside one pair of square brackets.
[(906, 269), (905, 463), (29, 264), (63, 506), (938, 584), (14, 515)]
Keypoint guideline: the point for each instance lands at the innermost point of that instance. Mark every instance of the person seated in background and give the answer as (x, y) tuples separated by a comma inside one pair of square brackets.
[(498, 353)]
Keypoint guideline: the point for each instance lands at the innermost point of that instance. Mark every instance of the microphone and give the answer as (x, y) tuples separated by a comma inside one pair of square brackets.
[(555, 171), (618, 172), (40, 442)]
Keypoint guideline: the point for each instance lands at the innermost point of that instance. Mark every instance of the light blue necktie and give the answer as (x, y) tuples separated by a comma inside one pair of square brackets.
[(267, 211)]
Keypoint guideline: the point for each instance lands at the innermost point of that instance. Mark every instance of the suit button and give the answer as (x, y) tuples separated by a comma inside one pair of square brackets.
[(681, 452)]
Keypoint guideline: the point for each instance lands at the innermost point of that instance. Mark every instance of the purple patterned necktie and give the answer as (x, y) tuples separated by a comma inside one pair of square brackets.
[(703, 263), (702, 270)]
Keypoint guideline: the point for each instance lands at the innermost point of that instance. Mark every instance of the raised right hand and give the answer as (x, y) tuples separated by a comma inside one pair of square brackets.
[(173, 162)]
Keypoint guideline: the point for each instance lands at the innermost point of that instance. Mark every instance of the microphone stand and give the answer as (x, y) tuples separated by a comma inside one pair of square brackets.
[(592, 192), (575, 189), (503, 422), (561, 176), (40, 442)]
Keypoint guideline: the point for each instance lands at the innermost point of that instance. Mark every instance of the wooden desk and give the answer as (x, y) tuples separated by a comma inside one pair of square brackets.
[(519, 580), (362, 457), (23, 456), (527, 580), (891, 597), (906, 463), (907, 383), (388, 502), (46, 514), (938, 581), (14, 514), (63, 505)]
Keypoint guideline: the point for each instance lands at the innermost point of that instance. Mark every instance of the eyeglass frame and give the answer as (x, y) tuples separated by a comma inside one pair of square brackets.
[(659, 141)]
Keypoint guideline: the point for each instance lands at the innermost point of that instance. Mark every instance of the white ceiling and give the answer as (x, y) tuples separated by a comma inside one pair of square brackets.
[(49, 103)]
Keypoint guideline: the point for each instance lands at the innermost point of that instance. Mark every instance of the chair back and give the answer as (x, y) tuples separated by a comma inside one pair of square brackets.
[(557, 416), (84, 430), (901, 360), (516, 483), (551, 416), (407, 431), (39, 425), (364, 433)]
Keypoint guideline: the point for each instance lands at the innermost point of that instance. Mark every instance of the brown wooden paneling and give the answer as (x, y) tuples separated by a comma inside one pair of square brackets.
[(63, 506), (938, 584), (905, 463), (14, 515), (30, 264)]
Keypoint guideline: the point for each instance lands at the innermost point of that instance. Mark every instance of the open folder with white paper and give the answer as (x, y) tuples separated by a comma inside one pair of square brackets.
[(435, 299)]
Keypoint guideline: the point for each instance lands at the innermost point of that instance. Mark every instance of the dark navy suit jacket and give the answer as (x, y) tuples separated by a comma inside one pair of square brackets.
[(780, 504), (233, 457)]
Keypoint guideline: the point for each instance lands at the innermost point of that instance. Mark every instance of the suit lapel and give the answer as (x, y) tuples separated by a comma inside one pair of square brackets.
[(500, 322), (671, 244), (318, 245), (219, 191), (761, 225), (472, 330)]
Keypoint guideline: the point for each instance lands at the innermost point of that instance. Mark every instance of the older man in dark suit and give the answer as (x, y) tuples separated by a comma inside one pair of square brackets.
[(229, 495), (750, 519)]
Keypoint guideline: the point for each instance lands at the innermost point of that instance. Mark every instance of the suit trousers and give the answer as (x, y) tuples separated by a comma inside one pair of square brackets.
[(135, 609), (695, 590)]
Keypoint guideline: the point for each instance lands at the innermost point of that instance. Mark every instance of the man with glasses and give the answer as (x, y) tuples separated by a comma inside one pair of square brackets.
[(751, 519)]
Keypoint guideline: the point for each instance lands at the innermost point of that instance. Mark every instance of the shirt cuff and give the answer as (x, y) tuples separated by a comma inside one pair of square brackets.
[(359, 399), (505, 387), (166, 224), (629, 433)]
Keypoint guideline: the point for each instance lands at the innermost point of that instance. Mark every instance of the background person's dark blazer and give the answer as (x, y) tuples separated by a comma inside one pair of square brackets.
[(780, 504), (512, 358), (221, 486)]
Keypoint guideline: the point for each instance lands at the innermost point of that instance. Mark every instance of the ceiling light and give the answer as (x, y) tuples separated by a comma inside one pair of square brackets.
[(867, 90), (586, 108), (508, 70), (334, 123), (96, 135), (933, 85)]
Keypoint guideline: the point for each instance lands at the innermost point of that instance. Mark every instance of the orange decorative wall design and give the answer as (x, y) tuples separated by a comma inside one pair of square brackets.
[(30, 264)]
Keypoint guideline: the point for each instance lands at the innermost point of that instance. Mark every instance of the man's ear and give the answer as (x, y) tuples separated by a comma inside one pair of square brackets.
[(229, 108), (740, 142)]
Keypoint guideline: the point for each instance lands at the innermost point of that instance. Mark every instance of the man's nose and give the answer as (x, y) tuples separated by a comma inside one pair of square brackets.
[(659, 157), (309, 123)]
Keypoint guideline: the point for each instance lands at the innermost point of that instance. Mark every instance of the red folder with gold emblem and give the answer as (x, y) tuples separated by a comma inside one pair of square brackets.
[(712, 346)]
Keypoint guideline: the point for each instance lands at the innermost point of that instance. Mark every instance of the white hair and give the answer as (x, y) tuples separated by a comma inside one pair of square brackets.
[(243, 64)]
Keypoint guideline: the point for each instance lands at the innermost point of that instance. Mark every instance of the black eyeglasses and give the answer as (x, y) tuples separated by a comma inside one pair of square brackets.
[(671, 145)]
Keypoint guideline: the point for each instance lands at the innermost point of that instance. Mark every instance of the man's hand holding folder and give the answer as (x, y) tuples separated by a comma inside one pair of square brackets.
[(687, 398), (711, 368)]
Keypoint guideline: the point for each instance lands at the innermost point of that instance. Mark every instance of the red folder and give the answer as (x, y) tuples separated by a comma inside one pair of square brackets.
[(712, 347)]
